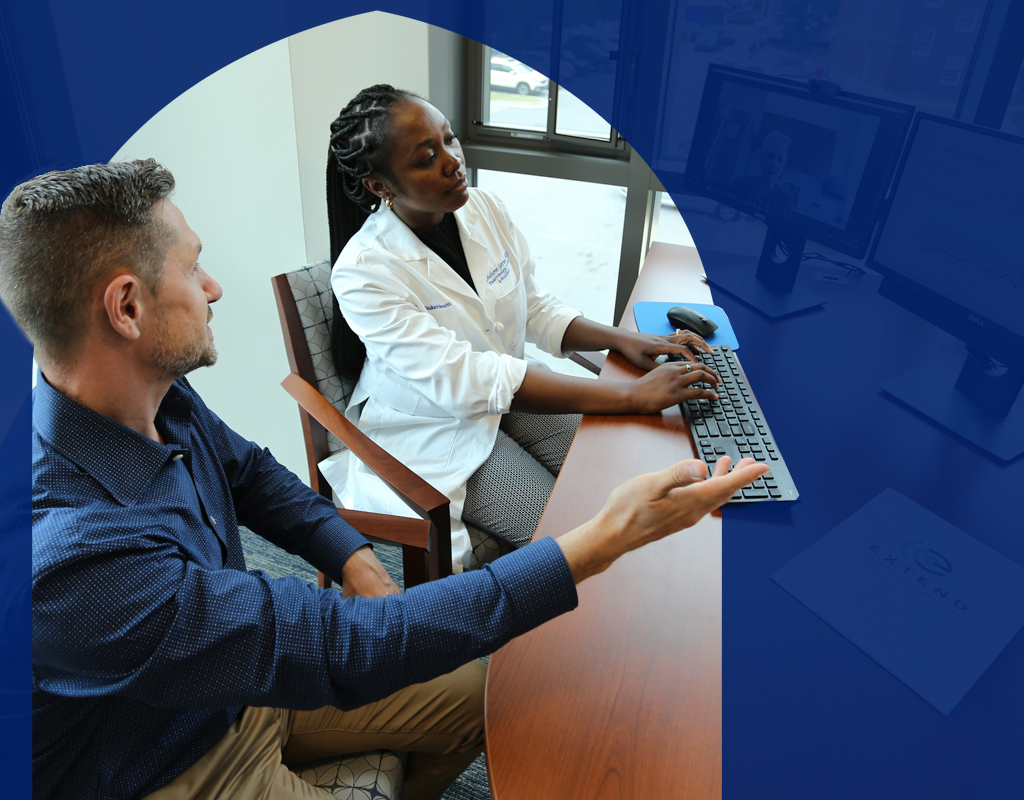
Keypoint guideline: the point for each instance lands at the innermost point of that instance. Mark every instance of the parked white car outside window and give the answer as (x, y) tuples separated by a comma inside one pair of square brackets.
[(516, 77)]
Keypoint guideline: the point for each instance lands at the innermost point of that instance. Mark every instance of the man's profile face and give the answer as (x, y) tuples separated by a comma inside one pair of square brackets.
[(181, 337), (773, 161)]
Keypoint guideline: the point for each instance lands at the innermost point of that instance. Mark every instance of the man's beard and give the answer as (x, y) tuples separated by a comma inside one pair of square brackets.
[(182, 359)]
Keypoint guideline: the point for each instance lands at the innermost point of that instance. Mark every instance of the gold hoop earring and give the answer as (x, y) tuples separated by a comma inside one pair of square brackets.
[(389, 201)]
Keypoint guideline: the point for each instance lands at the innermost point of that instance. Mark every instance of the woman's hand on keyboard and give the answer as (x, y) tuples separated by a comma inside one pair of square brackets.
[(640, 349), (672, 383)]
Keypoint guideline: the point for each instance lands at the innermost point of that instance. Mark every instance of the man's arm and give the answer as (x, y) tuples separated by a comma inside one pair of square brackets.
[(271, 501), (189, 636), (172, 633)]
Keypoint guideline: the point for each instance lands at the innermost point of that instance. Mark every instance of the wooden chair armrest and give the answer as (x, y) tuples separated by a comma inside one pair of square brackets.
[(593, 361), (389, 528), (432, 534), (419, 495)]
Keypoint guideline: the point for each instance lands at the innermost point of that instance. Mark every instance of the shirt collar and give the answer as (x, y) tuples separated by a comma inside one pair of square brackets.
[(405, 244), (123, 461), (468, 218)]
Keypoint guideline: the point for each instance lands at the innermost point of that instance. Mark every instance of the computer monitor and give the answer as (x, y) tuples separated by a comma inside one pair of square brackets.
[(812, 161), (950, 249)]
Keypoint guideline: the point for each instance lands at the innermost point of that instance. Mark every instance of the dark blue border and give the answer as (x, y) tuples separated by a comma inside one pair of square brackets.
[(805, 714)]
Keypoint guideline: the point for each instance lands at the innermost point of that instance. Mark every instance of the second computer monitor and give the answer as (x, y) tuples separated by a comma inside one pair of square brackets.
[(812, 161), (950, 251)]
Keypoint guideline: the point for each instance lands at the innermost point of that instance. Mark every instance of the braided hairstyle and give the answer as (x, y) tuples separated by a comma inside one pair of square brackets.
[(361, 143)]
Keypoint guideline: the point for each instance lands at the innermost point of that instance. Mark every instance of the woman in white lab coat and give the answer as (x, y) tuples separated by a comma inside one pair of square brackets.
[(437, 297)]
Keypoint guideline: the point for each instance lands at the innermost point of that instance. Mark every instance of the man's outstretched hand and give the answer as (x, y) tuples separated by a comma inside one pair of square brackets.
[(650, 507)]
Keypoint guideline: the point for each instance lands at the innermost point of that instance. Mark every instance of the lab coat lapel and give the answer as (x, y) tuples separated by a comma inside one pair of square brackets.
[(406, 245), (443, 276), (478, 255)]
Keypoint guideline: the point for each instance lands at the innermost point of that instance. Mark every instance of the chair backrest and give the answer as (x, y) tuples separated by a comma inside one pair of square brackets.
[(305, 305)]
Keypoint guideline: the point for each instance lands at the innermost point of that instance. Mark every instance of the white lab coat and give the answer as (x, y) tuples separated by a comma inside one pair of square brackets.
[(443, 362)]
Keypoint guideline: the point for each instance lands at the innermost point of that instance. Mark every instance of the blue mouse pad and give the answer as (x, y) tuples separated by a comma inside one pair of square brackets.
[(929, 603), (650, 318)]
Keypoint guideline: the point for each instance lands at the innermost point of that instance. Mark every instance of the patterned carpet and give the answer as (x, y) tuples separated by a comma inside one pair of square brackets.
[(261, 554)]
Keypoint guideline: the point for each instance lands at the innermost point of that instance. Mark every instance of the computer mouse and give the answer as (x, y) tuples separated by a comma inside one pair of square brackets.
[(685, 318)]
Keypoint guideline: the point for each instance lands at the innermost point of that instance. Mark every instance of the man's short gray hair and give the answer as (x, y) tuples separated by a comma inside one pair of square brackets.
[(774, 139), (63, 232)]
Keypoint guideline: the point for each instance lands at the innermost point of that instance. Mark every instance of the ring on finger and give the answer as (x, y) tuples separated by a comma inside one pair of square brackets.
[(688, 368)]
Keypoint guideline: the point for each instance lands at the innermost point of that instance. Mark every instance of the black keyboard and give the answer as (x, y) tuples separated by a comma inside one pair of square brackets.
[(734, 426)]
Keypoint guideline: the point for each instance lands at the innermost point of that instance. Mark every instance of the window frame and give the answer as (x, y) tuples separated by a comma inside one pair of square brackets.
[(477, 60)]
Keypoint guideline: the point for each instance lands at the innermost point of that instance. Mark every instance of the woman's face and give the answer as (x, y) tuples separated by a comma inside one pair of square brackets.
[(428, 165)]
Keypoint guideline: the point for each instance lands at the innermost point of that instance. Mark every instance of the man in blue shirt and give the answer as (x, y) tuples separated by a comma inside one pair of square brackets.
[(161, 667)]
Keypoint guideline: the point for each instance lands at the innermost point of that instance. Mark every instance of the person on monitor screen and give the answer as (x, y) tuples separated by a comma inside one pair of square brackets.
[(161, 667), (437, 300), (766, 188)]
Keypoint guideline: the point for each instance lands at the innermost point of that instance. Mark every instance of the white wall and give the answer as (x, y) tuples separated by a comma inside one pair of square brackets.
[(330, 65), (248, 149), (230, 143)]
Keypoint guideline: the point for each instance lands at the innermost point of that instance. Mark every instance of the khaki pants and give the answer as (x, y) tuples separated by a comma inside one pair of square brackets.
[(439, 723)]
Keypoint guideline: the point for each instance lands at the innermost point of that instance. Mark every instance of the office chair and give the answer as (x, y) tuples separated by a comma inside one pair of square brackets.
[(304, 304)]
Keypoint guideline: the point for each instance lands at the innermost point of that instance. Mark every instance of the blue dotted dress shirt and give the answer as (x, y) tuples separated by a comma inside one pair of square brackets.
[(149, 635)]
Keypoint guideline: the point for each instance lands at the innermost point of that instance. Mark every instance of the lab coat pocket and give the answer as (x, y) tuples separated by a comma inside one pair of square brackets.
[(510, 318), (421, 443), (503, 279)]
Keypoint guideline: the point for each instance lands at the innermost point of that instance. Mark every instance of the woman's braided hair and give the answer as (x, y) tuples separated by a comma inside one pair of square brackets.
[(361, 141)]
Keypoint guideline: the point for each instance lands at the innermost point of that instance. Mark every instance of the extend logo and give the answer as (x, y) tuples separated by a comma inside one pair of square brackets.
[(926, 560), (929, 560)]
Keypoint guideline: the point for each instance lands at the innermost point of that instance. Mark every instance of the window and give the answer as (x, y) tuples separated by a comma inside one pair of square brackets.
[(515, 96), (965, 19), (1013, 121), (574, 118), (923, 42), (574, 230), (551, 138), (519, 103), (951, 70), (671, 226)]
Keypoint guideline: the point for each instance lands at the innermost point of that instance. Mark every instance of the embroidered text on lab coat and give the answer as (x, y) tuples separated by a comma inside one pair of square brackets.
[(500, 272)]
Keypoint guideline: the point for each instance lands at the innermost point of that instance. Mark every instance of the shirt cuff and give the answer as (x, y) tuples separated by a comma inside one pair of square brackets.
[(538, 583), (550, 335), (336, 541), (511, 374)]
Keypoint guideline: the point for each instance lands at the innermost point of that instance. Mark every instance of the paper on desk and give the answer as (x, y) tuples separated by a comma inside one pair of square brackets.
[(929, 603)]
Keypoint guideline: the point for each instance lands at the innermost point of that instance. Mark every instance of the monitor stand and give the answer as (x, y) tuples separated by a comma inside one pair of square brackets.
[(980, 405), (769, 286)]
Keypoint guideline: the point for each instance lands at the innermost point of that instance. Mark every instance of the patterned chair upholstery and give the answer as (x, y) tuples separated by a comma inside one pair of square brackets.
[(377, 774), (374, 775), (311, 287)]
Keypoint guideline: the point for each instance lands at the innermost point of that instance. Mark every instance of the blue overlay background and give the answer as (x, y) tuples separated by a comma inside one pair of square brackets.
[(806, 714)]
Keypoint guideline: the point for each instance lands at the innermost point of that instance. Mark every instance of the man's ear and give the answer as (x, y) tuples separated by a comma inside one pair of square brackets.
[(123, 301)]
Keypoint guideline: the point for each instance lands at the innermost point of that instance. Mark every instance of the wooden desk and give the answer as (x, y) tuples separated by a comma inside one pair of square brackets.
[(622, 697)]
